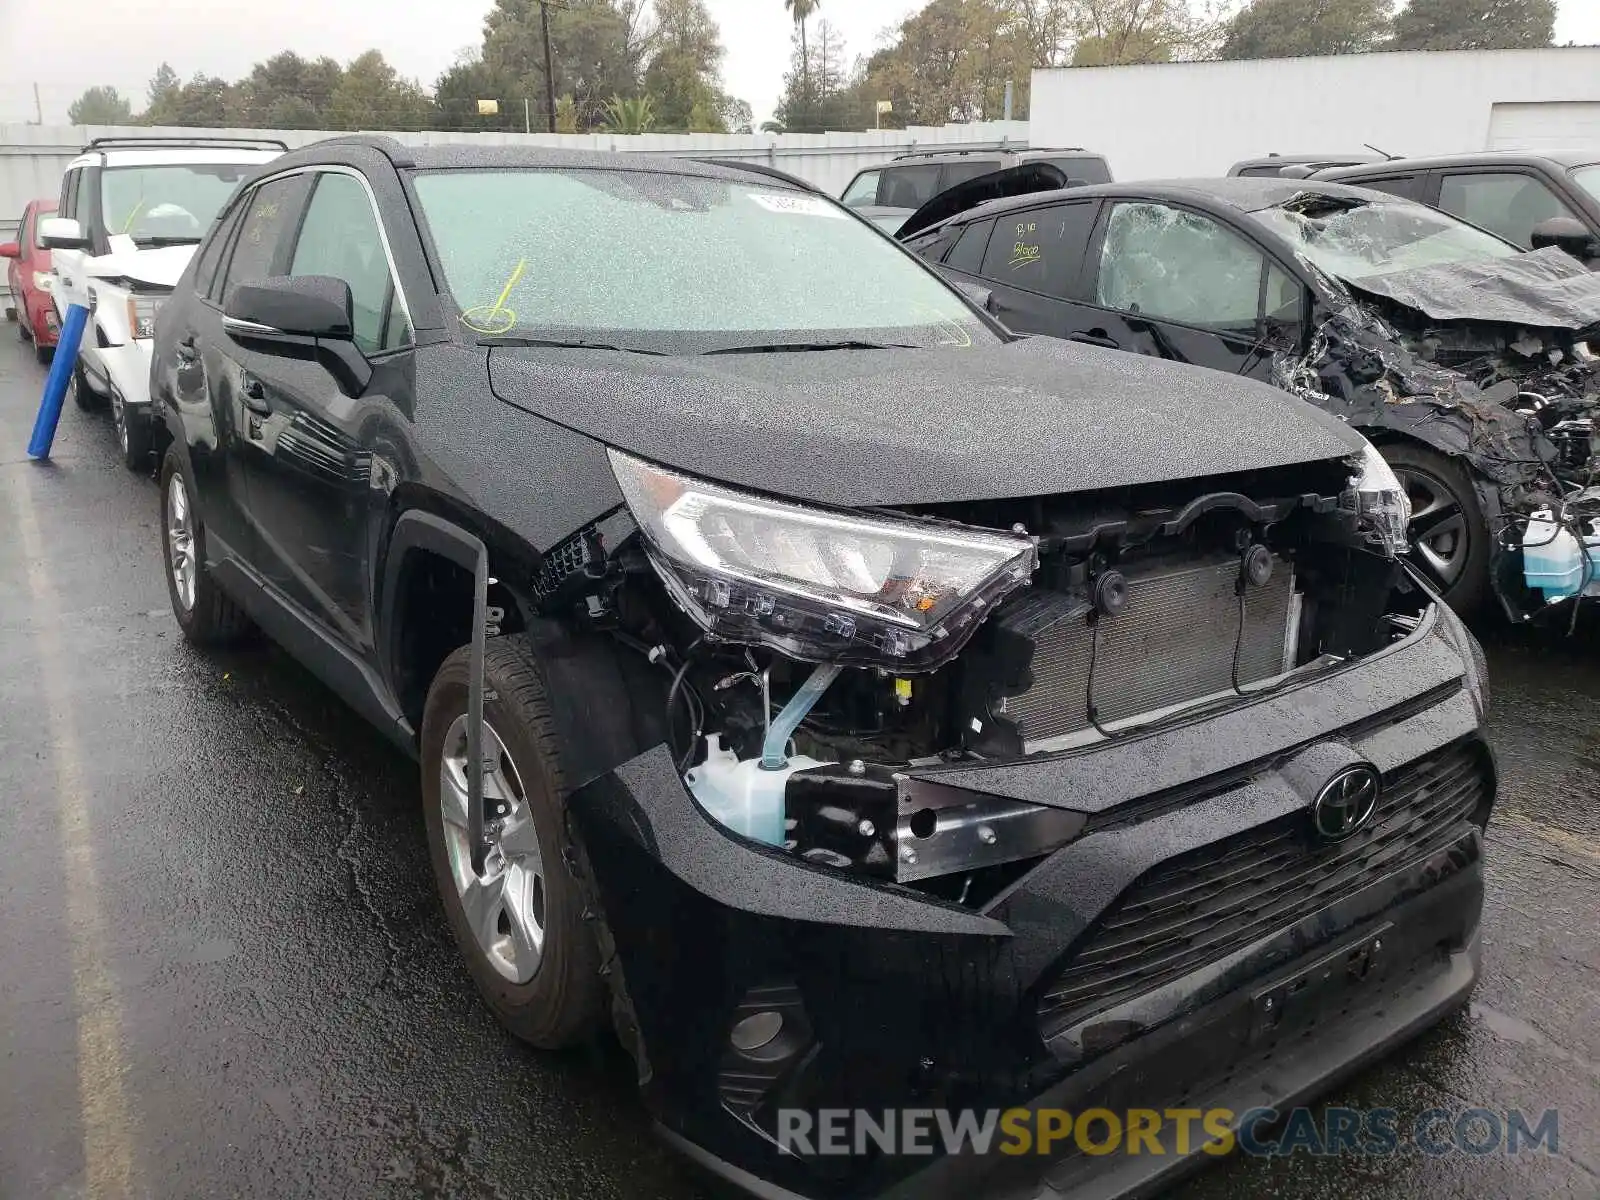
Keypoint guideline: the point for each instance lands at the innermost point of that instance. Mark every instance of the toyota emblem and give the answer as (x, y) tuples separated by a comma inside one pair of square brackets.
[(1346, 803)]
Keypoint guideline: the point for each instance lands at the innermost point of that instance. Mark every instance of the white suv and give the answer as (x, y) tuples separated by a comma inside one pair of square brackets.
[(132, 211)]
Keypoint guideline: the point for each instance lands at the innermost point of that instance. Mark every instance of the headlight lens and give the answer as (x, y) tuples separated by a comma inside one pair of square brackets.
[(42, 280), (820, 586), (142, 312), (1382, 508)]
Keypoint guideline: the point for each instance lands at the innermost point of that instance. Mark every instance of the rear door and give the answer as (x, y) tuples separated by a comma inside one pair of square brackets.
[(317, 497), (1173, 282), (1032, 263)]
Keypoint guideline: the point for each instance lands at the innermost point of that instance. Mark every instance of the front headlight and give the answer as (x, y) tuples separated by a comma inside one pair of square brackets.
[(43, 280), (142, 312), (1382, 508), (820, 586)]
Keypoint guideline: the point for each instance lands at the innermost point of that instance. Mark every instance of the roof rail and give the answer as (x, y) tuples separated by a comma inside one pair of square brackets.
[(755, 168), (184, 141), (1056, 150), (960, 150)]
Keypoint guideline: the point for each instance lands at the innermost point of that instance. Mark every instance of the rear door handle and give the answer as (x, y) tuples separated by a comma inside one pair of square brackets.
[(255, 396), (1095, 337)]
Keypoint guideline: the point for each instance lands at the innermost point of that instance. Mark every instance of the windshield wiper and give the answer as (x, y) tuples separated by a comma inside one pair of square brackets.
[(164, 240), (522, 343), (808, 347)]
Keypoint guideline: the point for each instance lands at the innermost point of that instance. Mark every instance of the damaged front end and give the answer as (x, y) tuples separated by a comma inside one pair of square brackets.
[(1488, 363), (914, 758)]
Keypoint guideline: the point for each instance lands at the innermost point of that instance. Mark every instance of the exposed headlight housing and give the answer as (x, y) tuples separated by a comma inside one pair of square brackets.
[(820, 586), (1380, 503), (142, 312)]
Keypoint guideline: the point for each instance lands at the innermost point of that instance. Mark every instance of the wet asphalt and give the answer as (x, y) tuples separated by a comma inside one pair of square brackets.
[(224, 971)]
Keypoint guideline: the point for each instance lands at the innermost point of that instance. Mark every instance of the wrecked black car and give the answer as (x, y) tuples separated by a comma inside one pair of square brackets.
[(1463, 359), (860, 709)]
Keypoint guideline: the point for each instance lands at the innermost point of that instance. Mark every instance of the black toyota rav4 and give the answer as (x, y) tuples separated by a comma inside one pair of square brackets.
[(878, 711)]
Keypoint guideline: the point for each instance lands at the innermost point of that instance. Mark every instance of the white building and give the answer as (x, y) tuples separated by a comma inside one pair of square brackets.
[(1189, 119)]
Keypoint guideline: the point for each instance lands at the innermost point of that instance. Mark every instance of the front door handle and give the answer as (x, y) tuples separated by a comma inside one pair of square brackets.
[(255, 396), (1095, 337)]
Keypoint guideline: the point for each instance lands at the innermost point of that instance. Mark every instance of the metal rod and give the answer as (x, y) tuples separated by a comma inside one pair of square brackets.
[(549, 66), (475, 689)]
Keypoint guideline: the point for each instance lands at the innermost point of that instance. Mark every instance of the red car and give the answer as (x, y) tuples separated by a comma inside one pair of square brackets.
[(28, 274)]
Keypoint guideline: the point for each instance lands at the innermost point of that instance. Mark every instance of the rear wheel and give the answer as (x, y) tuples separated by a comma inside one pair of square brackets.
[(1448, 535), (206, 616), (519, 921)]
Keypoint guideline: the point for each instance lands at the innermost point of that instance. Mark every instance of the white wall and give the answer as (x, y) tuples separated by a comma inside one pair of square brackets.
[(1194, 119), (32, 157)]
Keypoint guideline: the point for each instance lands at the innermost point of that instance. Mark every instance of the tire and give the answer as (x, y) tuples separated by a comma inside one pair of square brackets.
[(84, 396), (1450, 539), (133, 435), (24, 332), (208, 618), (554, 998), (45, 354)]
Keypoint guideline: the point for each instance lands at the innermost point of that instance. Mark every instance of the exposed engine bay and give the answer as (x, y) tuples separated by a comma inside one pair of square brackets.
[(1136, 606)]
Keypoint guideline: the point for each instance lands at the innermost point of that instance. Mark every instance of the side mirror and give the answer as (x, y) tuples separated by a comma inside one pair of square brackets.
[(1569, 234), (981, 296), (316, 306), (10, 250), (62, 233), (311, 313)]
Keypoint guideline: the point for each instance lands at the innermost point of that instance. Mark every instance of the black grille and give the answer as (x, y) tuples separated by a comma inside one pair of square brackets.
[(1202, 906), (1176, 641)]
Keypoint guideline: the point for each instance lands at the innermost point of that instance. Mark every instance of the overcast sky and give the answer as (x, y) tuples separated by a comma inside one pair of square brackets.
[(121, 42)]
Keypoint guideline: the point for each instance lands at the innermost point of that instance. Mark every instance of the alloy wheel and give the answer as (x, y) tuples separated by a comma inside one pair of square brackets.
[(180, 542), (119, 418), (505, 904), (1440, 539)]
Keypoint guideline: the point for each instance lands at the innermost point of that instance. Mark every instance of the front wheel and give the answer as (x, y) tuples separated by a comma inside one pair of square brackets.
[(133, 434), (84, 396), (519, 921), (1449, 537)]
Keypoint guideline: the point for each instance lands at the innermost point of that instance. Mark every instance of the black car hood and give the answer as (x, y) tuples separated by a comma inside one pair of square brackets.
[(1543, 289), (857, 428)]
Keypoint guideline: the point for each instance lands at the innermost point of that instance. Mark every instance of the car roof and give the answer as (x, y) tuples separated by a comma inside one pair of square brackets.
[(479, 156), (1509, 158), (1292, 160), (1243, 192)]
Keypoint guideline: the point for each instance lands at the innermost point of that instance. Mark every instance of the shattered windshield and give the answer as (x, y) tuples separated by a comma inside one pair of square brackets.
[(167, 204), (677, 264), (1588, 178), (1356, 238)]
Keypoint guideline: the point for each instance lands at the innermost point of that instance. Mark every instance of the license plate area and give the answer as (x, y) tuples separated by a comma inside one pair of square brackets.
[(1322, 983)]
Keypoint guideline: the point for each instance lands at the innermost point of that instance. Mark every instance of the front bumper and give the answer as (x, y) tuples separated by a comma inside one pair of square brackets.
[(891, 999)]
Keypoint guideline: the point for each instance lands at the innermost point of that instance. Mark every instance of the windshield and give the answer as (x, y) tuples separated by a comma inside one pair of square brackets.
[(167, 203), (1588, 178), (1355, 239), (677, 264)]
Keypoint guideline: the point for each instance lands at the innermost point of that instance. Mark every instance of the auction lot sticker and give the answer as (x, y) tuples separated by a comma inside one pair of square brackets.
[(799, 206)]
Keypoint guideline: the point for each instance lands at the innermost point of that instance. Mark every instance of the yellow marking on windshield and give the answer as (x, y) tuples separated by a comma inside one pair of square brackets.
[(495, 318)]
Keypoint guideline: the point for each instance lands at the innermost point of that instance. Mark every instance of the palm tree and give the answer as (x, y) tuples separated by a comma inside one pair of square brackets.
[(801, 11), (631, 116)]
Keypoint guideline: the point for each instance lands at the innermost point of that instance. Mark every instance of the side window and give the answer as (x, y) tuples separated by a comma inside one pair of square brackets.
[(69, 193), (965, 169), (264, 231), (1040, 249), (1407, 186), (909, 187), (967, 254), (1503, 202), (1087, 168), (340, 237), (863, 189), (205, 271), (1284, 297), (25, 231), (1175, 265)]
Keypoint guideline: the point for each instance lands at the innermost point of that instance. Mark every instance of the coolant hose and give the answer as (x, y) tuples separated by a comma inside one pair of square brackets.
[(774, 756)]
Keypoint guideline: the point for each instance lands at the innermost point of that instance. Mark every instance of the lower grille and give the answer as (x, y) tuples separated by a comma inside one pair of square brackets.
[(1203, 905), (1174, 642)]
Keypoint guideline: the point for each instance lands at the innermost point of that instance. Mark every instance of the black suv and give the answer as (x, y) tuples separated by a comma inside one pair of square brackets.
[(911, 180), (1463, 359), (860, 706), (1532, 199)]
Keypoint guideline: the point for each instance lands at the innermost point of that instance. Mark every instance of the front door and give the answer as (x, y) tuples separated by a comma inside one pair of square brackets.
[(318, 495), (1032, 264), (1175, 283)]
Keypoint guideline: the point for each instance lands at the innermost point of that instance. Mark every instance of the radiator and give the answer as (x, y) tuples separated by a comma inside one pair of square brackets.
[(1174, 642)]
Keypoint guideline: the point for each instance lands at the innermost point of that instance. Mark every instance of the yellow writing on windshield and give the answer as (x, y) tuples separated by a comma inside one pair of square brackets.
[(496, 318)]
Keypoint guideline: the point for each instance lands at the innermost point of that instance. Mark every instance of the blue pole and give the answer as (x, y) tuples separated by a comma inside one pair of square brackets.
[(55, 387)]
